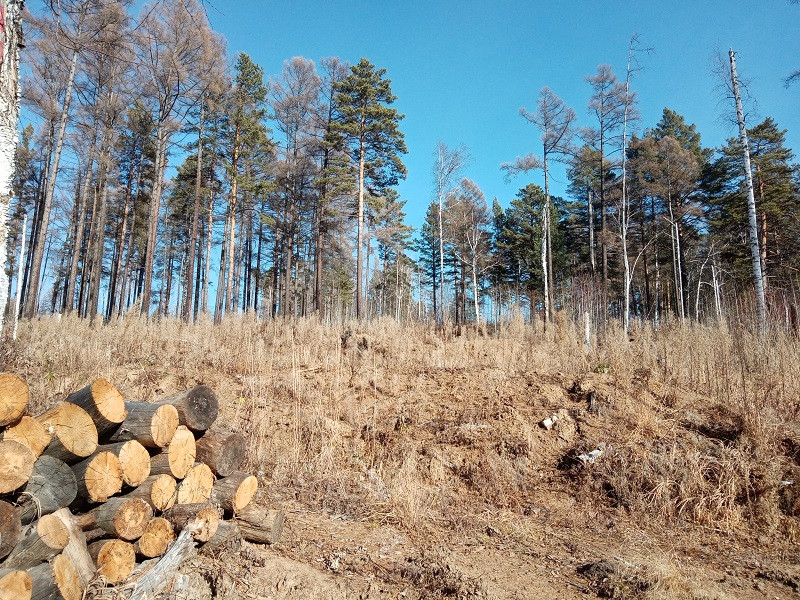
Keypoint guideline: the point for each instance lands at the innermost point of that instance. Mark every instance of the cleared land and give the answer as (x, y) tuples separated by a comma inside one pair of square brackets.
[(411, 462)]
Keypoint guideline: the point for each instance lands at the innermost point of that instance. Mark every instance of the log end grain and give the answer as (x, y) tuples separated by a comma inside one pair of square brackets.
[(99, 477), (73, 431), (67, 578), (197, 485), (13, 397), (10, 528), (115, 559), (131, 518), (181, 452), (15, 585), (135, 462), (156, 538), (16, 465), (30, 432)]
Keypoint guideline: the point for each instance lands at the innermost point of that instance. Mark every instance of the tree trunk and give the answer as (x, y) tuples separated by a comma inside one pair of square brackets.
[(360, 233), (758, 280), (155, 207), (187, 286)]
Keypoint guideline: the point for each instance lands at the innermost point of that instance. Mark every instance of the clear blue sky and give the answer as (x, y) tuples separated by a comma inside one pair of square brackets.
[(461, 70)]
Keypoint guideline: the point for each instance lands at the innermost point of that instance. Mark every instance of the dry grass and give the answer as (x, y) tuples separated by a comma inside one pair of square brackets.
[(437, 432)]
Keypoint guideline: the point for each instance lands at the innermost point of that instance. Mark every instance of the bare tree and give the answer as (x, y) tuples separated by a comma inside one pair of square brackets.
[(447, 165)]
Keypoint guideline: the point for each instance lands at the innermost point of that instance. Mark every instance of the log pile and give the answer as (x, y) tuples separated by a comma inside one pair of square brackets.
[(100, 488)]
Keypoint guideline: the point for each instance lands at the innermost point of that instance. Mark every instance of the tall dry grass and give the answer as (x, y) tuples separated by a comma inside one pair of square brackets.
[(417, 426)]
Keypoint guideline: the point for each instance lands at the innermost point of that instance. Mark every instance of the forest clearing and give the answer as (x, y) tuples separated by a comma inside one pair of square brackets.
[(275, 326), (414, 463)]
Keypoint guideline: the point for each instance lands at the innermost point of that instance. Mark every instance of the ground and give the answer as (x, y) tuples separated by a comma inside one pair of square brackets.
[(414, 463)]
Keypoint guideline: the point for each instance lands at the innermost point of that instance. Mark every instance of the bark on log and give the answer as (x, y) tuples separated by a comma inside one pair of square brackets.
[(134, 460), (56, 581), (10, 528), (196, 486), (103, 402), (151, 425), (149, 584), (160, 491), (260, 525), (197, 408), (179, 456), (115, 559), (29, 432), (41, 541), (13, 398), (234, 492), (74, 435), (204, 515), (221, 450), (228, 534), (15, 585), (16, 465), (99, 477), (76, 550), (122, 517), (52, 485), (157, 536)]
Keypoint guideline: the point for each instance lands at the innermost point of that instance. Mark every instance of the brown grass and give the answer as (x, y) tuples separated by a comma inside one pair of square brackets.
[(437, 432)]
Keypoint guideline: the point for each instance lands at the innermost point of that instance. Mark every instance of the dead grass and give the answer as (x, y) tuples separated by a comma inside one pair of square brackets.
[(432, 431)]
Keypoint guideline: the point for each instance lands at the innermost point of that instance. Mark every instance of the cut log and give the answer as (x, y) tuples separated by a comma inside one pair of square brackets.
[(56, 581), (160, 491), (99, 477), (234, 492), (13, 398), (260, 525), (223, 451), (157, 536), (15, 585), (10, 528), (197, 408), (179, 456), (115, 559), (29, 432), (205, 515), (196, 486), (74, 435), (41, 541), (125, 518), (76, 550), (16, 465), (151, 425), (103, 402), (134, 460), (228, 534), (52, 485)]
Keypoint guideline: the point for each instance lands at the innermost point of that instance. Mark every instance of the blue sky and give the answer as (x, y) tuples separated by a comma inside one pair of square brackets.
[(462, 70)]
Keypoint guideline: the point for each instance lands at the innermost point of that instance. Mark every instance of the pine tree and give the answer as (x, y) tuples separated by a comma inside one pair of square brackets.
[(369, 129)]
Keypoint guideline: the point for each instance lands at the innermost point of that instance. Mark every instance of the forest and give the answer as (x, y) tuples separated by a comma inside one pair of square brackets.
[(154, 177)]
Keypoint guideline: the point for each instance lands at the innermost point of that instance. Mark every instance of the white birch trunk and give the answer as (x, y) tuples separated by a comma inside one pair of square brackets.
[(9, 115)]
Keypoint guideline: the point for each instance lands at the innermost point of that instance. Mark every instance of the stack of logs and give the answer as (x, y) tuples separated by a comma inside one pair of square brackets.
[(97, 483)]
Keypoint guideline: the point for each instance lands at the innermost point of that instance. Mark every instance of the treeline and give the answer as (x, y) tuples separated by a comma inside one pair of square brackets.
[(160, 181)]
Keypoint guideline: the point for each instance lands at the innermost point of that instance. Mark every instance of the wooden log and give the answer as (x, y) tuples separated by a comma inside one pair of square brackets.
[(197, 408), (103, 402), (52, 485), (13, 398), (160, 491), (134, 460), (204, 514), (260, 525), (115, 559), (15, 585), (56, 581), (196, 486), (76, 550), (16, 465), (228, 534), (74, 435), (157, 536), (41, 541), (29, 432), (10, 528), (99, 477), (124, 518), (234, 492), (179, 456), (152, 425), (221, 450)]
